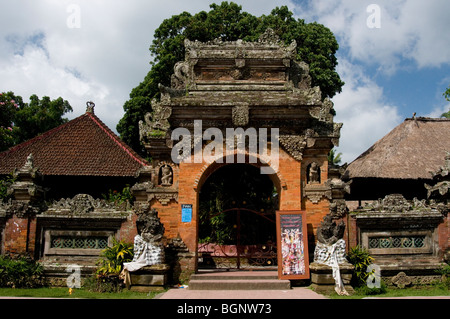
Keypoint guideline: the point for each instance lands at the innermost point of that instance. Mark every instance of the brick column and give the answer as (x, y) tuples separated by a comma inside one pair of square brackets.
[(20, 225)]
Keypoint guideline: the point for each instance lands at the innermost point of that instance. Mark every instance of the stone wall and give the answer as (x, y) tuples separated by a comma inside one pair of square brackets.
[(402, 236)]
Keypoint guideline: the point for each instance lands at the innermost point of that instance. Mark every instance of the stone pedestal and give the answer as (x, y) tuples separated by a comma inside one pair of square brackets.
[(322, 280), (149, 278)]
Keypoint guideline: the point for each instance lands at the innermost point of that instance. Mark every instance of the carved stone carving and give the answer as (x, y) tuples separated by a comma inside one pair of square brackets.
[(21, 209), (155, 123), (313, 172), (180, 77), (82, 204), (442, 181), (329, 232), (163, 197), (294, 145), (148, 245), (336, 133), (401, 280), (166, 175), (299, 75), (149, 225), (396, 203), (324, 113), (315, 192), (338, 208), (240, 115)]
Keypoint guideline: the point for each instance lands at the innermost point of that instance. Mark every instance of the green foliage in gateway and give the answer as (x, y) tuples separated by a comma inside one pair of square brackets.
[(316, 45)]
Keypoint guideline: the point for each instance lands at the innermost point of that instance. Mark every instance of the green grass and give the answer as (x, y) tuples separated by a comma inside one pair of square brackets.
[(76, 293), (406, 292)]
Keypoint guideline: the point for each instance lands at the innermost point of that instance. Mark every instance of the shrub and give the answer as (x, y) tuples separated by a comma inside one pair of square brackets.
[(20, 272), (110, 266), (444, 271), (121, 197), (5, 183), (361, 259)]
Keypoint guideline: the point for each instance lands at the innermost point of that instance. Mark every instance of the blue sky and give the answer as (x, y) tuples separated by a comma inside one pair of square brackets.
[(98, 50)]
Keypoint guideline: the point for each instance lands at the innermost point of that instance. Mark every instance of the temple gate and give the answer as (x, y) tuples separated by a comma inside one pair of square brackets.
[(238, 103)]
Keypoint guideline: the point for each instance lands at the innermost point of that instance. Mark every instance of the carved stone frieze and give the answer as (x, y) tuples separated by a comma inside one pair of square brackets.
[(324, 112), (163, 197), (295, 144), (336, 133), (315, 192), (179, 79), (82, 204), (240, 115), (441, 189), (21, 208), (157, 123), (397, 204)]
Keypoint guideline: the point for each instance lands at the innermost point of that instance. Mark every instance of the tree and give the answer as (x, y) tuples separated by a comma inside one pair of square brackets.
[(21, 121), (9, 103), (447, 97), (316, 45), (333, 158)]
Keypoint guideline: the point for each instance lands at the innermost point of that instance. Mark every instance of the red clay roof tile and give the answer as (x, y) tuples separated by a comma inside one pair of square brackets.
[(82, 146)]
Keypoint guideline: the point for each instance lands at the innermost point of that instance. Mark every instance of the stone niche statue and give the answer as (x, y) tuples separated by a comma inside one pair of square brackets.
[(148, 246), (166, 175), (330, 249), (314, 173)]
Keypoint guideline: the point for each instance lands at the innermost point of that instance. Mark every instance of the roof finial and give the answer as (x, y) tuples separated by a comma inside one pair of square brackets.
[(90, 106)]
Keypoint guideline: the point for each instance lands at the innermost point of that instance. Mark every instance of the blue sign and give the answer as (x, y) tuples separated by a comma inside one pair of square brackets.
[(186, 213)]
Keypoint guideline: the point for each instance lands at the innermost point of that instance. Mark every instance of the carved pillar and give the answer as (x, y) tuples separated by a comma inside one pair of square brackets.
[(21, 211)]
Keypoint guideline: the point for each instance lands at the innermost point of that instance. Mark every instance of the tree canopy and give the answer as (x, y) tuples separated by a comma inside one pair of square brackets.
[(21, 121), (316, 45), (447, 97)]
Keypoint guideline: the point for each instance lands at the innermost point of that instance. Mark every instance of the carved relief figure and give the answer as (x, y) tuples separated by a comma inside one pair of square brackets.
[(314, 173), (167, 176)]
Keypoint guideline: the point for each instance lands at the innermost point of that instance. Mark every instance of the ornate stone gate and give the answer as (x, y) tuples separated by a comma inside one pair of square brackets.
[(245, 87)]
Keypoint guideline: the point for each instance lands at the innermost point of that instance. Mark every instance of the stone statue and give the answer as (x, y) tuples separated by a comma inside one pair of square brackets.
[(314, 173), (328, 232), (148, 246), (330, 249), (166, 178)]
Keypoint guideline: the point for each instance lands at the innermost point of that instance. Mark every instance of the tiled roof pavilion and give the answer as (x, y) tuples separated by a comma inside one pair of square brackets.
[(84, 146)]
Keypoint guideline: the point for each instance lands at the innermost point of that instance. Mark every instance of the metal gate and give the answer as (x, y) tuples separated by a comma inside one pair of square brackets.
[(243, 253)]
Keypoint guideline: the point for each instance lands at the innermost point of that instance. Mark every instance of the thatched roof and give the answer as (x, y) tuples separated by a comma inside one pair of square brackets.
[(412, 150)]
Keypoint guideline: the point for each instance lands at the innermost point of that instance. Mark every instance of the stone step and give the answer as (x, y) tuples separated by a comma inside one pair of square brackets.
[(244, 280), (234, 277)]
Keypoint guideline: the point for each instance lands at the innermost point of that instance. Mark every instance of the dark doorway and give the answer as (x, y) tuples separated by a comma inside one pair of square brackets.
[(237, 219)]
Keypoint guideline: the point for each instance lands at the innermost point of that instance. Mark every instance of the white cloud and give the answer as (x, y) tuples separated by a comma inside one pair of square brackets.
[(362, 108), (103, 60), (413, 29)]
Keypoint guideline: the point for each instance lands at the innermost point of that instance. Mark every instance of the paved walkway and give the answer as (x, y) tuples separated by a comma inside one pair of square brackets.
[(294, 293)]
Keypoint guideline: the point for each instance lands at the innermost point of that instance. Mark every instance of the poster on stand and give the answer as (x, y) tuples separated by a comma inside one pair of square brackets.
[(292, 243)]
